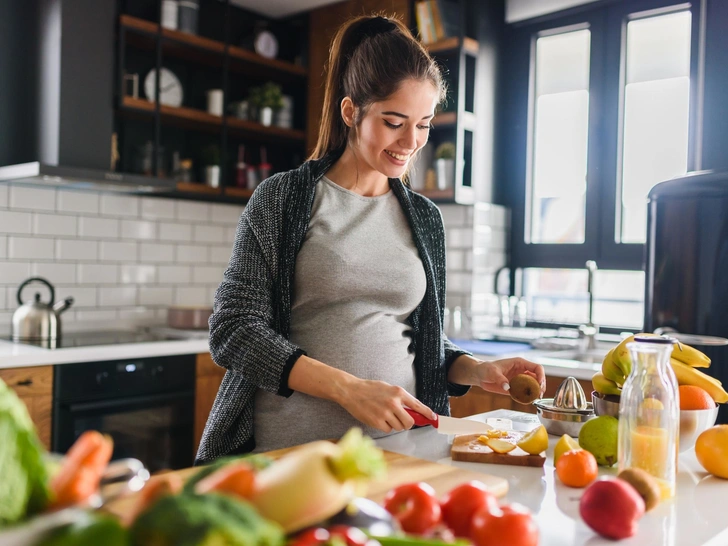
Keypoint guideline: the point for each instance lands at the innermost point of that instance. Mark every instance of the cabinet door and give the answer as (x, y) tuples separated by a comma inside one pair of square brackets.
[(34, 386), (208, 378)]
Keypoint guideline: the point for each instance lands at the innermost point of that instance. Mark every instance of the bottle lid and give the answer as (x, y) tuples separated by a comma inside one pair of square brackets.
[(660, 340)]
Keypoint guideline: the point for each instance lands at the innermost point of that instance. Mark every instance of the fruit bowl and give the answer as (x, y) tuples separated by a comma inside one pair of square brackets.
[(605, 404), (694, 422)]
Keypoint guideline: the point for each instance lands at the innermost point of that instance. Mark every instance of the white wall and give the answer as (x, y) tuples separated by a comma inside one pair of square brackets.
[(519, 10)]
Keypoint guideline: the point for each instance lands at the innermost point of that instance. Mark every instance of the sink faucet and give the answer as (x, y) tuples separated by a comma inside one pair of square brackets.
[(589, 331)]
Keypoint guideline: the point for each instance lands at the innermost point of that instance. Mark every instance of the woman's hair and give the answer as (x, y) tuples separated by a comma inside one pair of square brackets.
[(369, 59)]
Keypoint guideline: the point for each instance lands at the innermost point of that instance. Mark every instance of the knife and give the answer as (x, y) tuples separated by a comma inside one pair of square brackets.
[(450, 425)]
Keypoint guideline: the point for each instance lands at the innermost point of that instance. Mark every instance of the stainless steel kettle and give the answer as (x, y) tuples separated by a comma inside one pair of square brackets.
[(37, 322)]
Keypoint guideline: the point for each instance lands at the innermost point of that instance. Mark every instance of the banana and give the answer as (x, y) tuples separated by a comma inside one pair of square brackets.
[(604, 386), (612, 372), (621, 358), (687, 375), (690, 356)]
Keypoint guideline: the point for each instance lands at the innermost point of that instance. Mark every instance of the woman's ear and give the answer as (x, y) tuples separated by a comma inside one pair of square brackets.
[(348, 111)]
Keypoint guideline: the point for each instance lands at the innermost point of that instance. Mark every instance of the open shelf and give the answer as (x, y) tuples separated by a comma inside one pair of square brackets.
[(450, 44), (198, 119), (445, 119), (239, 192), (439, 195), (204, 50), (197, 187)]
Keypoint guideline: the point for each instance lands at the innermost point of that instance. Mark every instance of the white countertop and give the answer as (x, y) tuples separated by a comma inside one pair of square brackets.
[(695, 517), (15, 355)]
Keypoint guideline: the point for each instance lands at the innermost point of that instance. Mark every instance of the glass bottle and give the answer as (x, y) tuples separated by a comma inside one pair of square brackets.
[(649, 413)]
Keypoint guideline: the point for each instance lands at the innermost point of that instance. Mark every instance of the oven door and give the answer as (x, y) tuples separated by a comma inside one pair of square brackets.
[(156, 429)]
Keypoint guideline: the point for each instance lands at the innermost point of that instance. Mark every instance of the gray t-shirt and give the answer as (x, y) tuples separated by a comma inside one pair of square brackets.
[(347, 312)]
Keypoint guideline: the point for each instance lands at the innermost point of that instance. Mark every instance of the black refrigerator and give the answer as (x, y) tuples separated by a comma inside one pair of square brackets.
[(686, 277)]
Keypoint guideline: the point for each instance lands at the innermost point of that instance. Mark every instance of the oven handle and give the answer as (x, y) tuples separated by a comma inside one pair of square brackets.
[(156, 398)]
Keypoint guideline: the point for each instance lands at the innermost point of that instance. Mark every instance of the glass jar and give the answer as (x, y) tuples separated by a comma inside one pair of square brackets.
[(649, 413)]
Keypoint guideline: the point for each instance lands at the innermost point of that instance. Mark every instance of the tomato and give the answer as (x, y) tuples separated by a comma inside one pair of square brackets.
[(353, 535), (461, 503), (312, 537), (415, 506), (509, 525)]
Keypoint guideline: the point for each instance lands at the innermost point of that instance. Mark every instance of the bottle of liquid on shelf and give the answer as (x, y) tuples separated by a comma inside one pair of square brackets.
[(241, 175), (649, 413), (264, 167)]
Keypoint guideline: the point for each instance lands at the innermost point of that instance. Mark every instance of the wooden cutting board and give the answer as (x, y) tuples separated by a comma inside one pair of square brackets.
[(467, 448), (400, 469)]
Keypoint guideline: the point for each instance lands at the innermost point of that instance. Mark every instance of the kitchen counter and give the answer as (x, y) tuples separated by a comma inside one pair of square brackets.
[(14, 355), (696, 516)]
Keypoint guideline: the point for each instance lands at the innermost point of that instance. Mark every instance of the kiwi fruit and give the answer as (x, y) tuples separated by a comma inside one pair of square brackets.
[(644, 484), (524, 389)]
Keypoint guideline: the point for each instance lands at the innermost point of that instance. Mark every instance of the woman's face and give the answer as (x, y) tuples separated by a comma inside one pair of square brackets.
[(394, 129)]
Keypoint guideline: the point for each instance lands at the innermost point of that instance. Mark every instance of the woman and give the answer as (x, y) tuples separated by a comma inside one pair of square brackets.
[(330, 312)]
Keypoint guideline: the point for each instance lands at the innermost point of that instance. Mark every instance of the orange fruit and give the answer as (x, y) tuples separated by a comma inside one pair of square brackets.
[(711, 449), (577, 468), (693, 397)]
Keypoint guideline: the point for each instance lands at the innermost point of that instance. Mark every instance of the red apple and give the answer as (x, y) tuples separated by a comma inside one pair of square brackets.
[(612, 508)]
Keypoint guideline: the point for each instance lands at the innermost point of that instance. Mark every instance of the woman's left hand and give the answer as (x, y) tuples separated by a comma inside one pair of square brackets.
[(496, 375)]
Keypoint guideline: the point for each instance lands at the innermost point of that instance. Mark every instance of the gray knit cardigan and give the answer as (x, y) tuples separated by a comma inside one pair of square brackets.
[(249, 328)]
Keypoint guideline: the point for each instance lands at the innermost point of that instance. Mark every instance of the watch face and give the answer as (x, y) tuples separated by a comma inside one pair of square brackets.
[(266, 44), (170, 88)]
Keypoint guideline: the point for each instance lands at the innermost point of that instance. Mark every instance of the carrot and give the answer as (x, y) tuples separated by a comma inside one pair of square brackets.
[(81, 471), (155, 488), (236, 478)]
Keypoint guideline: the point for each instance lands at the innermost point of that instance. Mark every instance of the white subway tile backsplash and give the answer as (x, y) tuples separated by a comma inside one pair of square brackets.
[(33, 248), (26, 197), (156, 253), (155, 208), (454, 215), (169, 231), (84, 297), (207, 274), (3, 195), (138, 229), (78, 201), (115, 296), (3, 299), (119, 205), (208, 234), (76, 249), (459, 238), (14, 272), (97, 274), (138, 315), (191, 254), (117, 251), (3, 246), (230, 234), (193, 212), (54, 224), (455, 260), (137, 274), (194, 296), (220, 254), (174, 274), (93, 317), (225, 214), (55, 272), (94, 227), (156, 295), (15, 222), (459, 283)]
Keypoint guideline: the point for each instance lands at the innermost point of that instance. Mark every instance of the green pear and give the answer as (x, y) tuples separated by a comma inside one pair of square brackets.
[(599, 437)]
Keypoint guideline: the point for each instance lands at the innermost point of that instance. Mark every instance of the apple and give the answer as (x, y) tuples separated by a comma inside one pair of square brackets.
[(612, 508)]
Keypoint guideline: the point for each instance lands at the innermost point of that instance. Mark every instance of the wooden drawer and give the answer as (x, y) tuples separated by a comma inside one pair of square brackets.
[(206, 366), (32, 381), (207, 382)]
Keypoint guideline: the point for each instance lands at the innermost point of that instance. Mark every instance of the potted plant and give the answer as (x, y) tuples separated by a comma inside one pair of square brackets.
[(445, 165), (211, 160), (267, 98)]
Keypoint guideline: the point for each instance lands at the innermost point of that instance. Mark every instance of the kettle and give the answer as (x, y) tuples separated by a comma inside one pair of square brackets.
[(37, 322)]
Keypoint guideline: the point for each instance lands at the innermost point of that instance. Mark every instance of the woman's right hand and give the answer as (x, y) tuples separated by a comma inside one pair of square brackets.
[(381, 405)]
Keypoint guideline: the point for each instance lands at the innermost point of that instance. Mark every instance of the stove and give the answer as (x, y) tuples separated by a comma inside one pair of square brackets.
[(117, 337)]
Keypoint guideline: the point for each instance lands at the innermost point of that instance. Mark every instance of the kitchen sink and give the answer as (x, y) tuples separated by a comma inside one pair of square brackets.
[(591, 356)]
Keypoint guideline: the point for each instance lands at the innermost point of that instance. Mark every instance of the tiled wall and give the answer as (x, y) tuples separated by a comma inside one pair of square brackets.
[(127, 258), (123, 258)]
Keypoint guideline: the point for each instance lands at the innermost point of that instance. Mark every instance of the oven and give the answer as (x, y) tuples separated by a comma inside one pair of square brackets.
[(145, 404)]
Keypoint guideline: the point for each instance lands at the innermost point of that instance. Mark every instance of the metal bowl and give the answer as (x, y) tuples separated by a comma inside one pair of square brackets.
[(693, 423), (561, 421), (605, 404)]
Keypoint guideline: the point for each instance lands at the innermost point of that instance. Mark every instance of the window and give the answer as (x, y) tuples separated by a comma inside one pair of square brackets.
[(601, 107)]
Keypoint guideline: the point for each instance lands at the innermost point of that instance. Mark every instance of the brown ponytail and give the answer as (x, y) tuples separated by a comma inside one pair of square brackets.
[(370, 57)]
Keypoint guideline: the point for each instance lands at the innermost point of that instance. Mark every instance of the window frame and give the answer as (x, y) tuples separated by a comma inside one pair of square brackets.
[(607, 22)]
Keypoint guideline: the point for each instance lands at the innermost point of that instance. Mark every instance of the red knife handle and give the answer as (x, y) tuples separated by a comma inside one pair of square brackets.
[(421, 420)]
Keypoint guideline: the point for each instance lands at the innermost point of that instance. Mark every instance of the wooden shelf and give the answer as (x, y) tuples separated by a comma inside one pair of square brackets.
[(201, 49), (439, 195), (445, 119), (197, 187), (449, 44), (239, 192), (199, 119)]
